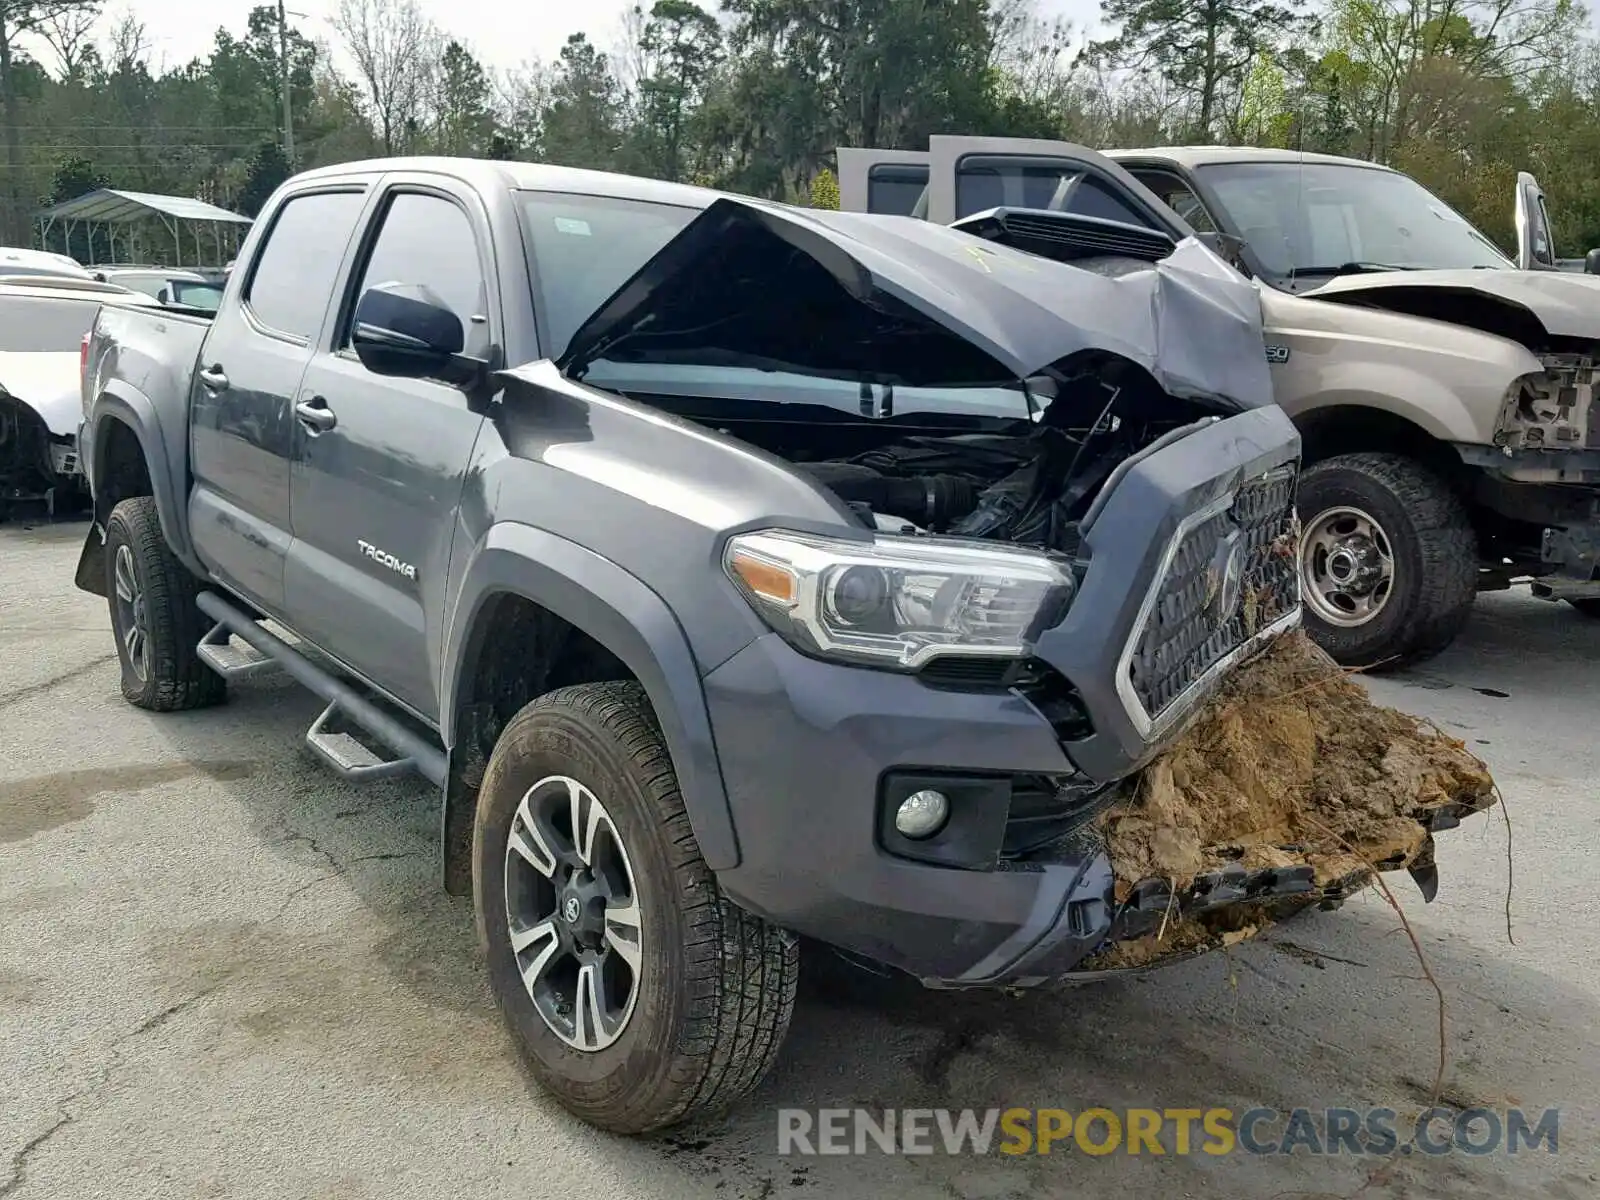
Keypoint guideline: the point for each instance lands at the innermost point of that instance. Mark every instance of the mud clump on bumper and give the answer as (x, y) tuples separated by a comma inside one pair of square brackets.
[(1289, 768)]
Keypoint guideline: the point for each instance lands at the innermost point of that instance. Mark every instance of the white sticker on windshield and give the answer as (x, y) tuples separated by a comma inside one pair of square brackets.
[(572, 225)]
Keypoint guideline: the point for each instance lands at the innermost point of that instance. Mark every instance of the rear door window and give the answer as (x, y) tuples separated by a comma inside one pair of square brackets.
[(895, 188), (296, 269)]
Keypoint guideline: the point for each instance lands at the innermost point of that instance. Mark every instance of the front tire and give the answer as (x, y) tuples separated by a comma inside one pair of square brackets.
[(1587, 606), (640, 995), (154, 616), (1388, 559)]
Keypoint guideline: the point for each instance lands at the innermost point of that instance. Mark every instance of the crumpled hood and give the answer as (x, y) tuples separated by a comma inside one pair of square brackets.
[(1566, 304), (48, 383), (898, 300)]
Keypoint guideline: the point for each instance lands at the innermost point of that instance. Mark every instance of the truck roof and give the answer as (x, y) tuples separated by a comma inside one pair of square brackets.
[(1202, 156), (524, 176)]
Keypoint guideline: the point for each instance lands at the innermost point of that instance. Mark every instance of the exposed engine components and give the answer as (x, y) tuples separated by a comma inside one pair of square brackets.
[(1554, 410)]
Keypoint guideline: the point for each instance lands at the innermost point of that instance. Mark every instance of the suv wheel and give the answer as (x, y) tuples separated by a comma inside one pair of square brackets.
[(153, 615), (1388, 559), (639, 993)]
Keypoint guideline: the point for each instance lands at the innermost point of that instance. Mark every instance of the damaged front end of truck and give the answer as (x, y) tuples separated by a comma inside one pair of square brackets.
[(1069, 556)]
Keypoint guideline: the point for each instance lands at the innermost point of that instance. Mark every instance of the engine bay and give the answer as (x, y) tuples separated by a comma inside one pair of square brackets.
[(1023, 481)]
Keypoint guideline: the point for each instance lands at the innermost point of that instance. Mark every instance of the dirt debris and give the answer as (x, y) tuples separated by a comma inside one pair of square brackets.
[(1290, 764)]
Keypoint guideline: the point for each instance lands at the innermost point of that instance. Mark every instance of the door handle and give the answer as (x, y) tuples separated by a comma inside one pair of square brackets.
[(213, 379), (315, 414)]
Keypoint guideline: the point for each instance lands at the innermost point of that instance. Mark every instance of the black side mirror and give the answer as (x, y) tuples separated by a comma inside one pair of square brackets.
[(404, 329), (1591, 262)]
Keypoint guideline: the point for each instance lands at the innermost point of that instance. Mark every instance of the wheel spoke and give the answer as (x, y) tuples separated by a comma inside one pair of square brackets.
[(586, 818), (124, 575), (544, 936), (529, 841), (588, 1018), (623, 934)]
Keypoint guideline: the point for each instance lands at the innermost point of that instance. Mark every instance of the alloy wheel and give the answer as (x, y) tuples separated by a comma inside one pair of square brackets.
[(572, 913), (131, 613)]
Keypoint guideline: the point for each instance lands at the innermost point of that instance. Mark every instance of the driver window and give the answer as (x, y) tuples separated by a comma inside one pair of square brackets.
[(987, 182), (426, 239), (1179, 197)]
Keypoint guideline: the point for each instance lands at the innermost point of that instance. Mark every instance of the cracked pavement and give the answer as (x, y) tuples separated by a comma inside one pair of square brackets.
[(226, 973)]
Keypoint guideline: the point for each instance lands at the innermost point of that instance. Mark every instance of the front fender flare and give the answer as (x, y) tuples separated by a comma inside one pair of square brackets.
[(624, 615), (121, 402)]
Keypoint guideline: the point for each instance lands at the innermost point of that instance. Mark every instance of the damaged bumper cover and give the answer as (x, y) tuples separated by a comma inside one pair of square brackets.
[(34, 461), (1183, 580)]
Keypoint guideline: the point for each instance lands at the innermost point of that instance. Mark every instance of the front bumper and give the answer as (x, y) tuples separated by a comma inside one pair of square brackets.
[(1182, 580), (1557, 493)]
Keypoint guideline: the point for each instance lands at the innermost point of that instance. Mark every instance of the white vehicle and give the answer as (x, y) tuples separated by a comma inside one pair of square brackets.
[(15, 260), (43, 324), (170, 285)]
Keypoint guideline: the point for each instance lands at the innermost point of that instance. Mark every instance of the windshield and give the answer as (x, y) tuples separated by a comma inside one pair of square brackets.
[(583, 248), (1306, 222), (44, 323)]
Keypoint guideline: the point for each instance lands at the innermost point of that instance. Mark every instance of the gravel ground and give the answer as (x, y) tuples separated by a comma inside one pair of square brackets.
[(226, 973)]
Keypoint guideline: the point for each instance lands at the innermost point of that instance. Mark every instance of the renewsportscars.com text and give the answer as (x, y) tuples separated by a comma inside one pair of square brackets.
[(1162, 1131)]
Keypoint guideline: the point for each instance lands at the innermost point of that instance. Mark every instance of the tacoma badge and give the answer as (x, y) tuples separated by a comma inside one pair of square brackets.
[(384, 558)]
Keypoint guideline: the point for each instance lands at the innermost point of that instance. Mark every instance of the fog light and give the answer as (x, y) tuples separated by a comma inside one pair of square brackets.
[(922, 814)]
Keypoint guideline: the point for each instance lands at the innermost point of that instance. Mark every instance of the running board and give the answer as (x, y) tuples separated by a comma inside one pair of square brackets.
[(230, 659), (350, 758), (347, 754)]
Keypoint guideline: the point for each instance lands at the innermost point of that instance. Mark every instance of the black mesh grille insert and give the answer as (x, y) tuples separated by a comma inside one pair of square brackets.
[(1195, 622)]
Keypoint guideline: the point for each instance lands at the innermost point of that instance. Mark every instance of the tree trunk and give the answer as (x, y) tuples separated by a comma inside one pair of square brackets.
[(1208, 91), (13, 229)]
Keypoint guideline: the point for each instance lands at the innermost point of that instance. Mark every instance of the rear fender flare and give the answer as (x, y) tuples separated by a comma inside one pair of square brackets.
[(621, 613), (119, 402)]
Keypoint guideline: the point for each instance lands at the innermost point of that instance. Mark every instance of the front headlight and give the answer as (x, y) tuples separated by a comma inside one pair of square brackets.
[(895, 601)]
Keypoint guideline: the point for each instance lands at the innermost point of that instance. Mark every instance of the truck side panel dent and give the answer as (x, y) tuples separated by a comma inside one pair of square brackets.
[(625, 617)]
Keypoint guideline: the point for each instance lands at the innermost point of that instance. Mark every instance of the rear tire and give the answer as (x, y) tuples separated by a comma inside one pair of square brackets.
[(153, 615), (1384, 510), (701, 1020), (1588, 606)]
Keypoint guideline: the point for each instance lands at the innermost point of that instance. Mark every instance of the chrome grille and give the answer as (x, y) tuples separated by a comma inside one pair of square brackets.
[(1200, 613)]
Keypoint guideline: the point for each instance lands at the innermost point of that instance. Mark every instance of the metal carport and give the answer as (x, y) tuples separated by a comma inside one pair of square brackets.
[(114, 209)]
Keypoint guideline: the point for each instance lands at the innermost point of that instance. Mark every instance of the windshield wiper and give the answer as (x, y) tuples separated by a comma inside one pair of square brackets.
[(1349, 268)]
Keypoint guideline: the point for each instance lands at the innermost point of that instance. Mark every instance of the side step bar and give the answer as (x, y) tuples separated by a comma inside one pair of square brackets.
[(338, 749)]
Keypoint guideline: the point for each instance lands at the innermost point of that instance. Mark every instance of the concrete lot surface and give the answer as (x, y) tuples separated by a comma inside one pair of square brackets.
[(226, 973)]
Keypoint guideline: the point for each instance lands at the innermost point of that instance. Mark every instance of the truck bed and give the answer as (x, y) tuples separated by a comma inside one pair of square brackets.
[(146, 359), (153, 350)]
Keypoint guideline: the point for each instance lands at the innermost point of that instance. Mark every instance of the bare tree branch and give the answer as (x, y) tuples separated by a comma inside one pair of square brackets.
[(396, 51)]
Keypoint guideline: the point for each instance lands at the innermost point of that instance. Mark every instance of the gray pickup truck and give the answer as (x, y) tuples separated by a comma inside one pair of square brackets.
[(1445, 394), (736, 573)]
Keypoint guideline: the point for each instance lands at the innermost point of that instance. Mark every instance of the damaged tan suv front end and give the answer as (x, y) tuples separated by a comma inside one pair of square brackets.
[(1443, 389)]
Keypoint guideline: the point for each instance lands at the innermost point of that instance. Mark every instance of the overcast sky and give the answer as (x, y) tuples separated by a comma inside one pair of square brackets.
[(503, 33)]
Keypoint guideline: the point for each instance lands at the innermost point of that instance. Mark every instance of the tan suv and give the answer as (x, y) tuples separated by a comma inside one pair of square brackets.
[(1443, 392)]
